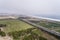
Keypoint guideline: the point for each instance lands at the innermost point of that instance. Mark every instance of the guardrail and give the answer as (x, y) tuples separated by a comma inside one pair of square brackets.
[(51, 32)]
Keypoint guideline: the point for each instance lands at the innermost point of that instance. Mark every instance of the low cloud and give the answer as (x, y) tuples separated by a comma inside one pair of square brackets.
[(46, 8)]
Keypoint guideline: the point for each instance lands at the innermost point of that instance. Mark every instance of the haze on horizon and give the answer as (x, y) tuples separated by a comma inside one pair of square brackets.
[(44, 8)]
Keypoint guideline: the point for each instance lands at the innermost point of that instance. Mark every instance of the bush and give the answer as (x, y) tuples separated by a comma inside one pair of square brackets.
[(2, 33), (15, 34), (42, 38), (27, 35)]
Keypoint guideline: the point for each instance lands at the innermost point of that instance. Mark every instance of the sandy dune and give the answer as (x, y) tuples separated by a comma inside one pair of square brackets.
[(5, 38)]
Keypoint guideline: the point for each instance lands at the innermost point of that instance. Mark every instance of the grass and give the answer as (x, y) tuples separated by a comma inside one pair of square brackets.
[(17, 26), (37, 31), (50, 25), (58, 30), (14, 25)]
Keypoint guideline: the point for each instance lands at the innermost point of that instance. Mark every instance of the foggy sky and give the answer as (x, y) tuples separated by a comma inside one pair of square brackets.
[(45, 8)]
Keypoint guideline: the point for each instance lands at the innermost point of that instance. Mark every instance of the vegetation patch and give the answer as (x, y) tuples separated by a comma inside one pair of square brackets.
[(27, 34), (20, 30), (50, 25), (2, 33)]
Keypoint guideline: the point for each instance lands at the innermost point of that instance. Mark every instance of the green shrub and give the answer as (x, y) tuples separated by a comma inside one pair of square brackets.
[(42, 38), (2, 33), (26, 35)]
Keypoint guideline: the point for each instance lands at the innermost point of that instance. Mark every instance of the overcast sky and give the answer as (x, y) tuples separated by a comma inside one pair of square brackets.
[(45, 8)]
